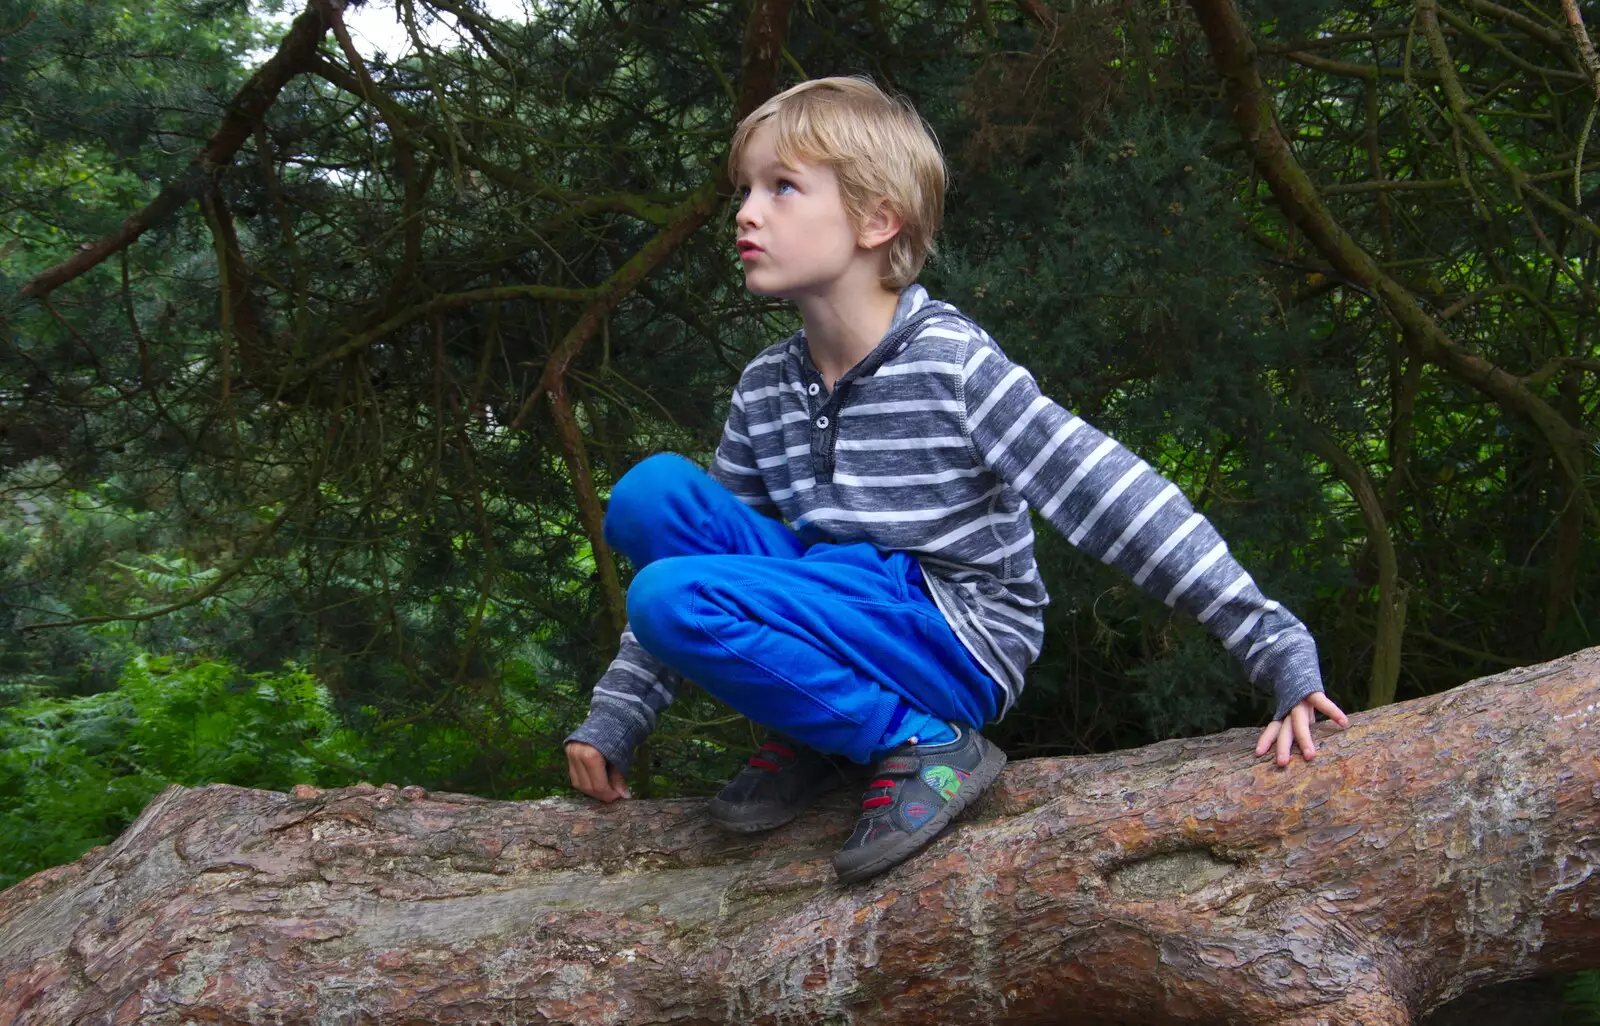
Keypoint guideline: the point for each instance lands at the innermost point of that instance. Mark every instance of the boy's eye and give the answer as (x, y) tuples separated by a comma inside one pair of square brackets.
[(784, 183), (744, 192)]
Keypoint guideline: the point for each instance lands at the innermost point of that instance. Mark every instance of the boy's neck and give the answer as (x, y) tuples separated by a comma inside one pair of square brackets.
[(845, 325)]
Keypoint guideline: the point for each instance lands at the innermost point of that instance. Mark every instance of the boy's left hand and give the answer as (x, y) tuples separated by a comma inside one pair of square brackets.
[(1296, 727)]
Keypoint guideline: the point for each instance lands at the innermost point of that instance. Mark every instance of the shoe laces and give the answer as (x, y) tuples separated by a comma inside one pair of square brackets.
[(778, 748)]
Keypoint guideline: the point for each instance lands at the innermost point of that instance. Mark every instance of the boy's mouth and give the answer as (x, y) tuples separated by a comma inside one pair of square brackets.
[(746, 246)]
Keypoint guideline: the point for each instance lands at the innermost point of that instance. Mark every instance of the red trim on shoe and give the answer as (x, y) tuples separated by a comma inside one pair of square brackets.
[(760, 763), (881, 800), (773, 746)]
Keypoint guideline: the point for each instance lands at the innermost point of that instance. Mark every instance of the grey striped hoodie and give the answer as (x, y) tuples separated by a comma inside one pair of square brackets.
[(938, 445)]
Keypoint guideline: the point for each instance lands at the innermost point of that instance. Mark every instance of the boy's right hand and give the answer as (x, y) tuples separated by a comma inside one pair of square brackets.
[(592, 775)]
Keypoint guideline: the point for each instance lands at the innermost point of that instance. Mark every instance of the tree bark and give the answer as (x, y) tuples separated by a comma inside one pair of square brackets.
[(1434, 847)]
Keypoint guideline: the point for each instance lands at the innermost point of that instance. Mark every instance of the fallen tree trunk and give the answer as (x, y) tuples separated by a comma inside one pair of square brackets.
[(1434, 847)]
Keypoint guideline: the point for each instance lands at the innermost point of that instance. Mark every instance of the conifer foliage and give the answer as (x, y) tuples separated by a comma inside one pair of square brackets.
[(322, 359)]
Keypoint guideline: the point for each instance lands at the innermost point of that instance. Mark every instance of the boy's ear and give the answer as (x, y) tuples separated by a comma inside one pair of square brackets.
[(879, 226)]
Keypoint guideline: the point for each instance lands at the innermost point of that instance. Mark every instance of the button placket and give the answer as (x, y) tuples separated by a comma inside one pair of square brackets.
[(825, 428)]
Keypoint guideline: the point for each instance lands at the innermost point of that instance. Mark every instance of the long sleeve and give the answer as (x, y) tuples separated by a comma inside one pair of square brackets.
[(637, 687), (1114, 506), (628, 698)]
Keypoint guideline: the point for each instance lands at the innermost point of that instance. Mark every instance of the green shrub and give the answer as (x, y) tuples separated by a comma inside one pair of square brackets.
[(74, 772)]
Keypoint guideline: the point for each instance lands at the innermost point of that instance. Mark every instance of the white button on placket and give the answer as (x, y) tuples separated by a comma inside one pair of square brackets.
[(822, 423), (813, 388)]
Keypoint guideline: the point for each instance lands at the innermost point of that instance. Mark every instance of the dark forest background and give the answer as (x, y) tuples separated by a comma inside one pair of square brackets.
[(315, 369)]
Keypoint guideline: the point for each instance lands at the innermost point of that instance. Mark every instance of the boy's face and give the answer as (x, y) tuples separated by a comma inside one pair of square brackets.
[(795, 236)]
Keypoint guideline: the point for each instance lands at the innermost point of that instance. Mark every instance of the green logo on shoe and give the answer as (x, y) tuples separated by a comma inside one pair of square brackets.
[(944, 779)]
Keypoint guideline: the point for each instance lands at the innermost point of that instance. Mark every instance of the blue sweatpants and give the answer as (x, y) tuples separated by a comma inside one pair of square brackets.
[(838, 646)]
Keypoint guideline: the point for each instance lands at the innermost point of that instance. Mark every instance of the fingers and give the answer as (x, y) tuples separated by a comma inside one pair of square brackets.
[(592, 775), (1294, 730), (1301, 718), (1264, 745), (1324, 705), (1279, 735), (619, 784), (578, 769), (1286, 739), (594, 765)]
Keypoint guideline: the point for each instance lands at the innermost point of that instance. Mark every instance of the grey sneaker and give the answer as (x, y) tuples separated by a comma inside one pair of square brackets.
[(777, 784), (916, 789)]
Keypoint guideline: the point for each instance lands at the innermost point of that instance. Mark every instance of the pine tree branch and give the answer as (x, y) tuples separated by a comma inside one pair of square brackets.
[(1344, 69), (1468, 28), (1580, 36), (1234, 54), (1427, 20), (1546, 37), (577, 204), (248, 105), (27, 19), (449, 301), (217, 584), (1041, 14), (1555, 365)]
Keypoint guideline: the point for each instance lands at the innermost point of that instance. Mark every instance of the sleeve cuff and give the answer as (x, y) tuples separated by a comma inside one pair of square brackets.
[(1292, 668), (614, 736)]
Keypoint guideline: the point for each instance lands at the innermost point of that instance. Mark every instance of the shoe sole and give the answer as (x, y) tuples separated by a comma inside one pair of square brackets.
[(906, 845), (723, 813), (748, 825)]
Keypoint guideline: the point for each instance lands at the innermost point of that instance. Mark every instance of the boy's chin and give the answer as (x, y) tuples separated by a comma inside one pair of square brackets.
[(756, 287)]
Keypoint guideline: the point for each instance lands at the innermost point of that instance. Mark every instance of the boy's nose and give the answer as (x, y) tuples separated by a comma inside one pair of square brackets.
[(747, 217)]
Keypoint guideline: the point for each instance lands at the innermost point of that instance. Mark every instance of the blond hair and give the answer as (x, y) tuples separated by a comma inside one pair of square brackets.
[(878, 147)]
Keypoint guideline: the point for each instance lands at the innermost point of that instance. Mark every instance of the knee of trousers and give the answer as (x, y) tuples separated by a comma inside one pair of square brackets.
[(659, 599), (643, 494)]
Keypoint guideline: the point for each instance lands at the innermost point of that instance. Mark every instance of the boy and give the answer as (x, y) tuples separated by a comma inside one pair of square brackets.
[(897, 610)]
